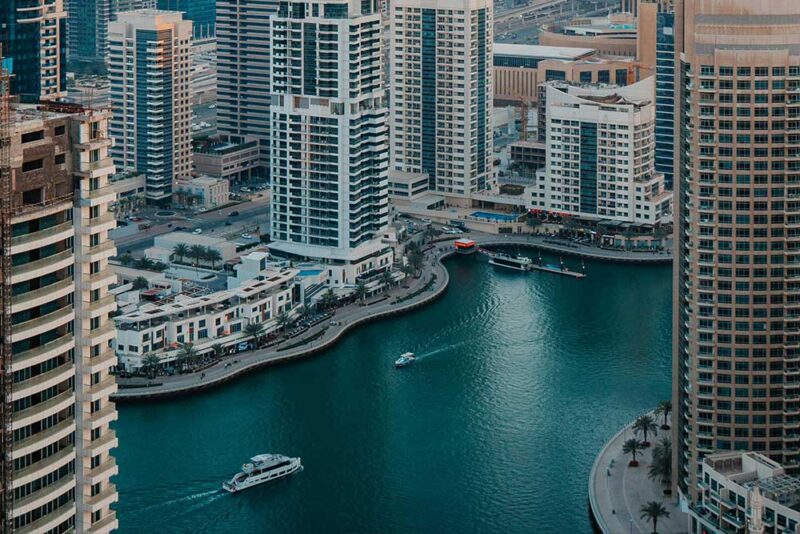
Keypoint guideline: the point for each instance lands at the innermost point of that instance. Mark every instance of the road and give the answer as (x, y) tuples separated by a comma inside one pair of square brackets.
[(255, 212)]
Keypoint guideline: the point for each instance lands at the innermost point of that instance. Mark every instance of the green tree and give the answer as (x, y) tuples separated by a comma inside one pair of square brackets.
[(406, 269), (664, 408), (360, 291), (387, 280), (255, 331), (126, 260), (653, 511), (661, 466), (416, 259), (197, 252), (180, 251), (645, 424), (140, 282), (218, 349), (328, 299), (213, 256), (632, 446), (150, 362), (284, 320), (145, 263), (533, 221), (304, 311), (186, 355), (430, 233)]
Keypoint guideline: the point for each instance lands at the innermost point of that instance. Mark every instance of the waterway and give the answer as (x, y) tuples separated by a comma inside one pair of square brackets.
[(520, 380)]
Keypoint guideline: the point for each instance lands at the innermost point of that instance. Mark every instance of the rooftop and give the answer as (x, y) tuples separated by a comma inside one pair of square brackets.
[(541, 52)]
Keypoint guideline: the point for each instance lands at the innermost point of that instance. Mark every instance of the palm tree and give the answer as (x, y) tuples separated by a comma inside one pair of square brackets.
[(360, 291), (145, 263), (180, 251), (664, 408), (416, 258), (284, 320), (661, 467), (197, 252), (632, 446), (218, 350), (304, 311), (150, 362), (213, 256), (406, 269), (328, 299), (126, 260), (654, 511), (187, 354), (430, 233), (140, 282), (254, 330), (387, 280), (645, 424)]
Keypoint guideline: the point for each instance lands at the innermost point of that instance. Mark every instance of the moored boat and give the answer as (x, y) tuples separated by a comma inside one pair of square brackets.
[(519, 263)]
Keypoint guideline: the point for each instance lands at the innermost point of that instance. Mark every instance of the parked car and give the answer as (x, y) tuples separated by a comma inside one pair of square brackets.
[(234, 213), (247, 236), (227, 223), (243, 346), (197, 231)]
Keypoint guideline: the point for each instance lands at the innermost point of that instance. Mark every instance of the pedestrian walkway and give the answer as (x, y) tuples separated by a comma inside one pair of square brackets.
[(617, 492), (346, 318)]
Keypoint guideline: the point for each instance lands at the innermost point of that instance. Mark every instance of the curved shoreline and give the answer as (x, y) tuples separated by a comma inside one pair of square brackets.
[(273, 358), (579, 251)]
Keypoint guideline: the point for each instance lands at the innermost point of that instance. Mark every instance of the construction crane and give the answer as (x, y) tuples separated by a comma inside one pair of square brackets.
[(524, 104), (633, 72), (6, 373)]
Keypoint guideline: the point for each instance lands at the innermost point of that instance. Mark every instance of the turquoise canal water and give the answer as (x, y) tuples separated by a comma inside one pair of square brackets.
[(520, 380)]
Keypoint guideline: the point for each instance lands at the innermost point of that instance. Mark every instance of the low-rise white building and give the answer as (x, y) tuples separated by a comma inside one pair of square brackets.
[(745, 492), (204, 321), (164, 246), (601, 155), (202, 192)]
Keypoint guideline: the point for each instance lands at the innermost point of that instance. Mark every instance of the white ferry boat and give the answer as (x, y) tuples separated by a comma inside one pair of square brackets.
[(519, 263), (260, 469), (405, 359)]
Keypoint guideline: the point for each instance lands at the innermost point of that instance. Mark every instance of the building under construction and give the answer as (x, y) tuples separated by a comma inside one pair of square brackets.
[(56, 349)]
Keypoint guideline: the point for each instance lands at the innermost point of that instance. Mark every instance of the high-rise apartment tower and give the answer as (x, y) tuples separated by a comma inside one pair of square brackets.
[(736, 367)]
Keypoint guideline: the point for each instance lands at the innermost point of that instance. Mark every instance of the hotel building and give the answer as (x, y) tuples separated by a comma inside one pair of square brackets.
[(149, 68), (32, 37), (442, 93), (57, 352), (665, 92), (736, 365), (600, 155), (329, 163)]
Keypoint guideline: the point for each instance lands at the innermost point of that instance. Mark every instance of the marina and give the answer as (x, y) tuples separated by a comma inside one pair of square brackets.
[(524, 263)]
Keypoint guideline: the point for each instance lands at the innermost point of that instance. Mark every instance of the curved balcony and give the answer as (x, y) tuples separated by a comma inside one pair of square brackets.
[(44, 409), (42, 381), (41, 324), (43, 467), (43, 295), (37, 268)]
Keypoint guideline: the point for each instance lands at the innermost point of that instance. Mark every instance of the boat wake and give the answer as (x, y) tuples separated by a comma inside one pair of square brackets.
[(195, 500), (440, 350)]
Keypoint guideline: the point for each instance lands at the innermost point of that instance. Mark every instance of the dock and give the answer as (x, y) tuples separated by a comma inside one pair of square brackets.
[(555, 269), (548, 268)]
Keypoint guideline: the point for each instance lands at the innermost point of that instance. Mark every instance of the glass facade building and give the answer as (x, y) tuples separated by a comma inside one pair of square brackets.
[(665, 95), (202, 13)]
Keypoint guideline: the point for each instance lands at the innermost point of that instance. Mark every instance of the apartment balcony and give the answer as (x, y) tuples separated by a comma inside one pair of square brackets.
[(93, 144), (99, 280), (43, 496), (41, 324), (100, 363), (106, 249), (102, 334), (44, 409), (42, 381), (97, 196), (95, 168), (51, 520), (42, 238), (42, 353), (43, 295), (107, 221), (102, 390), (35, 269), (105, 415), (107, 524), (102, 472), (38, 440), (102, 499), (43, 467), (104, 444)]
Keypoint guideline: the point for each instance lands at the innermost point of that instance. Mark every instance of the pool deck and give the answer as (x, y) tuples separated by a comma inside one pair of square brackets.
[(617, 491)]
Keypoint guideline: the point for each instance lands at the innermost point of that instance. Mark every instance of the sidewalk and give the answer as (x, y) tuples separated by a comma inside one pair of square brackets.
[(617, 492), (347, 317)]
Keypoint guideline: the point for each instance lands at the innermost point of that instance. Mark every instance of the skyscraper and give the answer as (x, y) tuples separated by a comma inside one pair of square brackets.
[(149, 68), (202, 13), (57, 337), (665, 93), (442, 92), (329, 163), (32, 35), (243, 70), (736, 365), (87, 30), (629, 6)]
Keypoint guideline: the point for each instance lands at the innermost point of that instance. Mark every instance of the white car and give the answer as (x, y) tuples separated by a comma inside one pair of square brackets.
[(247, 236), (426, 220), (197, 231)]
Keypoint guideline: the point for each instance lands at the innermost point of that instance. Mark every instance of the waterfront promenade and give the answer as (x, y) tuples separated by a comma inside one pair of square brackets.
[(352, 315), (346, 318), (617, 492)]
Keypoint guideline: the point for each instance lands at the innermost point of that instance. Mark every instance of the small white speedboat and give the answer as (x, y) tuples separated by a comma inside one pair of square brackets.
[(405, 360), (260, 469)]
